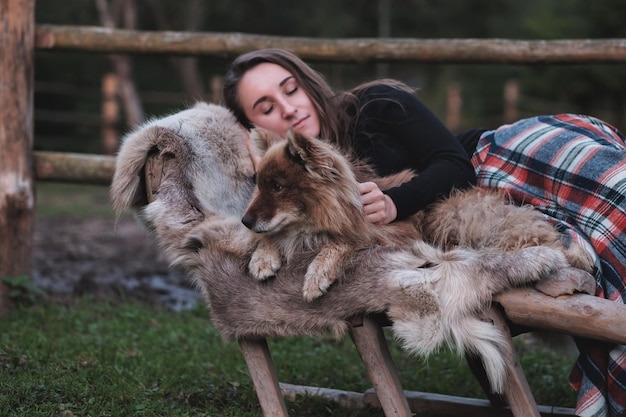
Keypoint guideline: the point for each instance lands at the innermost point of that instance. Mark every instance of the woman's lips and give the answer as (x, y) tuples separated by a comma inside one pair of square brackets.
[(299, 122)]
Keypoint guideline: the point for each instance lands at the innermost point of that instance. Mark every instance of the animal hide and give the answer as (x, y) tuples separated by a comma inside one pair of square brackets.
[(194, 203)]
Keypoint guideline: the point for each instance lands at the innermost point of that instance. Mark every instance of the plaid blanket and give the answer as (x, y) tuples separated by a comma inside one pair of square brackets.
[(573, 169)]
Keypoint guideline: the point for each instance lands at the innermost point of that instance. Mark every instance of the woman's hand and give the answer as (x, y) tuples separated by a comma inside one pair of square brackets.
[(254, 157), (378, 207)]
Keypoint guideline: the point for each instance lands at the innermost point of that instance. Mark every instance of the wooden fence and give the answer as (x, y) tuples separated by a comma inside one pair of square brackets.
[(108, 122), (470, 51), (20, 165)]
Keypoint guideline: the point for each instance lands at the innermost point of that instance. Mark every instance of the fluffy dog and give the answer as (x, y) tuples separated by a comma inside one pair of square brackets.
[(190, 178), (307, 197)]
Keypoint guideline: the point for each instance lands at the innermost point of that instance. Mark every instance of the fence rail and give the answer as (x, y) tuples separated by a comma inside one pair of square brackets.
[(74, 167), (468, 51)]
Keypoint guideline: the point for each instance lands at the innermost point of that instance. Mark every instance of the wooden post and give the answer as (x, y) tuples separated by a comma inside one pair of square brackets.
[(370, 342), (110, 113), (17, 194), (264, 378), (454, 107), (384, 31), (511, 101), (216, 89)]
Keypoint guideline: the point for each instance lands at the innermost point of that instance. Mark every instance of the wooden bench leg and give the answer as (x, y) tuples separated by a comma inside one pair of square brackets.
[(517, 391), (369, 339), (476, 366), (263, 374)]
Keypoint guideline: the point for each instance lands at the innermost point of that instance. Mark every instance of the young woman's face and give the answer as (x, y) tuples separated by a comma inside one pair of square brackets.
[(272, 99)]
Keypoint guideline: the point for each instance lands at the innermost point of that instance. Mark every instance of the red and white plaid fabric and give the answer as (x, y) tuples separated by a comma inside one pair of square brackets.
[(573, 169)]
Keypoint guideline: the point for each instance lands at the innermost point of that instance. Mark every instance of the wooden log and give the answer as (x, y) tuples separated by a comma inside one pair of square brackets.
[(517, 391), (468, 407), (263, 375), (454, 107), (370, 342), (511, 101), (74, 167), (110, 113), (17, 191), (577, 315), (103, 40), (420, 402), (344, 398)]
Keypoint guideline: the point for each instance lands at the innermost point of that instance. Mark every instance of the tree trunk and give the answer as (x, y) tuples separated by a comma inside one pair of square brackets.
[(17, 194), (122, 64), (187, 67)]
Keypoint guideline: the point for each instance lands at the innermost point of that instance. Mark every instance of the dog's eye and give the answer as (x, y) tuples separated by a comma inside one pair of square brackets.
[(276, 187)]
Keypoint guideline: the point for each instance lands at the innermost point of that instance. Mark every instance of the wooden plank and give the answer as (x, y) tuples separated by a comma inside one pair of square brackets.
[(103, 40), (478, 370), (369, 339), (263, 375), (17, 190), (467, 407), (344, 398), (420, 402), (517, 391), (74, 167), (577, 315)]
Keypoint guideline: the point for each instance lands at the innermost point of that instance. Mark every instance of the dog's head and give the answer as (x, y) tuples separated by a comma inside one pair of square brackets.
[(303, 184)]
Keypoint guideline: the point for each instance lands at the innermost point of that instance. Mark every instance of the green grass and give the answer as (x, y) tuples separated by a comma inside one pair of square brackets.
[(88, 358), (77, 200)]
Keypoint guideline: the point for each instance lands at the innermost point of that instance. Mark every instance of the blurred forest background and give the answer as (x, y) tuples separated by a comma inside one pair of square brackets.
[(69, 98)]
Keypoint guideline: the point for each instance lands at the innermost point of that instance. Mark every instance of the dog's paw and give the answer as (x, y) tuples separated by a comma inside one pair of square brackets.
[(315, 286), (264, 263), (317, 280), (324, 270), (567, 281)]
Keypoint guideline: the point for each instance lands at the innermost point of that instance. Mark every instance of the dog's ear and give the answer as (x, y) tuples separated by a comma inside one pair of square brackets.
[(263, 139), (301, 147), (318, 157)]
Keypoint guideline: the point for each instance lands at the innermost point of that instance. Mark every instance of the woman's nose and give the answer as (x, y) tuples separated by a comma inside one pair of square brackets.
[(289, 110)]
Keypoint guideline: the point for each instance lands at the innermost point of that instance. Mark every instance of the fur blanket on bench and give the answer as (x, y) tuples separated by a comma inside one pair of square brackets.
[(189, 177)]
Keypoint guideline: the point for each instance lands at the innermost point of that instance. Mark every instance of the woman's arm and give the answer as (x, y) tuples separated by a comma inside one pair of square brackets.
[(397, 131)]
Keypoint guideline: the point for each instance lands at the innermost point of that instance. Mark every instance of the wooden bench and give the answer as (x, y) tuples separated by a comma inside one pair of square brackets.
[(514, 312), (524, 309)]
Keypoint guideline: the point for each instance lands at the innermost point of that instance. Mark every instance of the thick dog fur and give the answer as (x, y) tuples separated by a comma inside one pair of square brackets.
[(431, 296), (307, 196)]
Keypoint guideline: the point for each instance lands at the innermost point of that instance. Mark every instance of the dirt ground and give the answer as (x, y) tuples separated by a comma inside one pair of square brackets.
[(111, 259)]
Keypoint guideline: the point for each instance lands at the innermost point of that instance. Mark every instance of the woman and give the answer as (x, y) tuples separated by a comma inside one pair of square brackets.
[(274, 89), (573, 168)]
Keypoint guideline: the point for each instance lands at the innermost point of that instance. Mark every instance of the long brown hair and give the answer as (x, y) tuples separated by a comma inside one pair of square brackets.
[(335, 119)]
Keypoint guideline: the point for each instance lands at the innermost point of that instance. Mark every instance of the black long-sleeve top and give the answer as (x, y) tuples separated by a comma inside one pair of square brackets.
[(394, 131)]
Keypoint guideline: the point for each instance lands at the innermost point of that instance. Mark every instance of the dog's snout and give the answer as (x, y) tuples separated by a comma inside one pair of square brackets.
[(247, 220)]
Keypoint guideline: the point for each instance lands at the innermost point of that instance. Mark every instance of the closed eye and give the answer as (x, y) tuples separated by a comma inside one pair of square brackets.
[(268, 110)]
